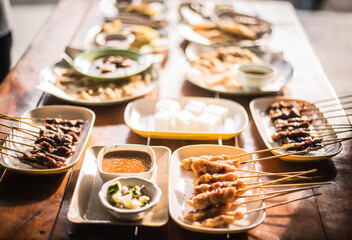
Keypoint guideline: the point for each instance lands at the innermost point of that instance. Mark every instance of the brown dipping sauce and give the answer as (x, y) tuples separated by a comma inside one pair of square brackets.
[(255, 72), (126, 162)]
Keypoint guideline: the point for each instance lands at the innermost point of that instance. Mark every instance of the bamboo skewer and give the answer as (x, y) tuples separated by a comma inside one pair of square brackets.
[(333, 133), (336, 140), (279, 191), (260, 151), (10, 149), (334, 104), (19, 136), (265, 174), (317, 110), (338, 116), (295, 184), (282, 203), (331, 124), (269, 197), (26, 131), (331, 128), (7, 117), (10, 155), (284, 178), (332, 99), (24, 144), (276, 156)]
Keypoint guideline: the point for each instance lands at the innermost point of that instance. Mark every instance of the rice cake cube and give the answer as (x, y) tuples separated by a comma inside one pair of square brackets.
[(195, 107), (207, 123), (183, 121), (163, 120), (220, 111), (168, 104)]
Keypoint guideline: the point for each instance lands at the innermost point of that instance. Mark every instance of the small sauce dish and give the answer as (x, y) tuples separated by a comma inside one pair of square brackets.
[(126, 160), (121, 40), (255, 76), (151, 189)]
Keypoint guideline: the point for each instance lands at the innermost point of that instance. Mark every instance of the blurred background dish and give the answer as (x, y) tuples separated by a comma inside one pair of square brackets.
[(63, 82), (214, 69), (151, 13), (253, 77), (221, 26)]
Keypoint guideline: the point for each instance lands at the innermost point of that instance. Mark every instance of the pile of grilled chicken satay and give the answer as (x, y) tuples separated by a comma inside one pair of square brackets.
[(217, 189), (47, 144), (294, 123)]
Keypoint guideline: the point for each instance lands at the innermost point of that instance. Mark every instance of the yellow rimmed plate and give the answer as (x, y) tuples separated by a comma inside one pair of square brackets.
[(265, 127), (139, 117), (181, 190), (53, 111)]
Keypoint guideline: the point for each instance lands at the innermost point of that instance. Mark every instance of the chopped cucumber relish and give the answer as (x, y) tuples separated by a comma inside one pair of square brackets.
[(127, 197)]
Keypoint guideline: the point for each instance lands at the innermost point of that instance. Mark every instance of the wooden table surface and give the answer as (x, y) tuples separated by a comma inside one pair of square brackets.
[(35, 207)]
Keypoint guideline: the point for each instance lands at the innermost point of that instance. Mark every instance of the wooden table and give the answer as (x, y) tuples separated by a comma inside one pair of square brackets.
[(36, 206)]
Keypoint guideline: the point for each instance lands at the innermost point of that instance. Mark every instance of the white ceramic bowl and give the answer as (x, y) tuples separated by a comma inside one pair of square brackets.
[(154, 193), (255, 76), (121, 40), (126, 147)]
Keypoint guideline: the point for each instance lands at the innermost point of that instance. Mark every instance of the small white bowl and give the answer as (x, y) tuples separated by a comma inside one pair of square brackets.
[(121, 40), (154, 193), (105, 176), (255, 76)]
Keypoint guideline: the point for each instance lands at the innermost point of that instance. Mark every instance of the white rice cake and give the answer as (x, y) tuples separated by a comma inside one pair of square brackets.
[(167, 104), (207, 123), (195, 107), (184, 121), (163, 120), (217, 110)]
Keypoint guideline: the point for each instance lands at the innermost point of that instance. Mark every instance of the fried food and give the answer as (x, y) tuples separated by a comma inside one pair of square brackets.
[(85, 88), (143, 35), (217, 66)]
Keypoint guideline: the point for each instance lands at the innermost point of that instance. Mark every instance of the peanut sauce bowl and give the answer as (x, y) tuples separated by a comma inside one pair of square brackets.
[(126, 160), (152, 190)]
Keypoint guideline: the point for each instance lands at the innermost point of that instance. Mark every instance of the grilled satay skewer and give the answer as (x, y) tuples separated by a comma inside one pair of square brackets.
[(230, 217), (186, 163), (225, 195)]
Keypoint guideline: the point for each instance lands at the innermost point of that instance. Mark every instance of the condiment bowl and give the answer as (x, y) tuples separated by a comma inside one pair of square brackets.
[(121, 40), (153, 191), (106, 176), (255, 76)]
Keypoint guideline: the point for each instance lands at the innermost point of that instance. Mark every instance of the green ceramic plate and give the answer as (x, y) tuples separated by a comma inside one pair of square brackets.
[(87, 64)]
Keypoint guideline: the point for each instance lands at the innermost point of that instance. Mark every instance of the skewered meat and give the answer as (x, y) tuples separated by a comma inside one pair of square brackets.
[(186, 163), (40, 160), (214, 197), (208, 178), (61, 151), (284, 113), (289, 134), (292, 125), (200, 215), (54, 144), (63, 128), (70, 123), (219, 221), (297, 119), (202, 188), (303, 143), (201, 167)]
